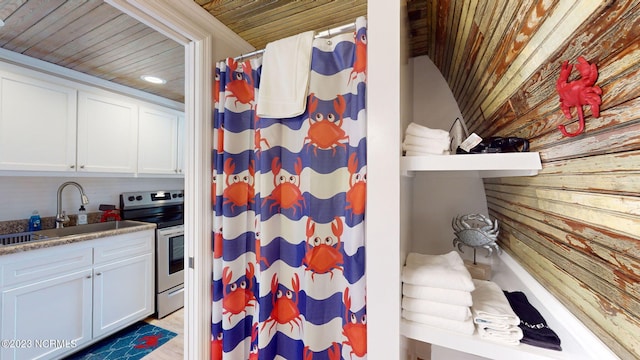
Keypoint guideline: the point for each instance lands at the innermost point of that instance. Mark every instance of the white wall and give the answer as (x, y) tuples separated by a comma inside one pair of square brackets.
[(384, 108), (438, 198), (433, 103), (22, 194)]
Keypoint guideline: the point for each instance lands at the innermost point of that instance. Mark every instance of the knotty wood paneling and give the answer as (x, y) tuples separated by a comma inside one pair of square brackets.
[(576, 225)]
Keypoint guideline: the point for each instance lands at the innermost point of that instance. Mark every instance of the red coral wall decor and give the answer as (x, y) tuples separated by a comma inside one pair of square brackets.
[(579, 92)]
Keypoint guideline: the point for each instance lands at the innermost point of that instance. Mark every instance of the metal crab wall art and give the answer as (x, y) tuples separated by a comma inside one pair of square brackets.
[(578, 92), (476, 231)]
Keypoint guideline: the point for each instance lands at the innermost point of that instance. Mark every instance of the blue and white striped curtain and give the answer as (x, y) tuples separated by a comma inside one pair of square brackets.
[(288, 202)]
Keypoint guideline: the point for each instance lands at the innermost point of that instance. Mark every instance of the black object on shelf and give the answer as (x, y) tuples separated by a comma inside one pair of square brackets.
[(498, 145), (534, 327)]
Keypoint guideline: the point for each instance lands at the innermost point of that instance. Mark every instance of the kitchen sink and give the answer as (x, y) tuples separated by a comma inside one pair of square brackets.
[(19, 238), (83, 229)]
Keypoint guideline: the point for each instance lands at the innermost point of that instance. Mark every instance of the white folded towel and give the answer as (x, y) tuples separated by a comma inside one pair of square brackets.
[(509, 336), (443, 271), (420, 141), (491, 308), (423, 131), (447, 311), (453, 297), (285, 96), (462, 327), (437, 149)]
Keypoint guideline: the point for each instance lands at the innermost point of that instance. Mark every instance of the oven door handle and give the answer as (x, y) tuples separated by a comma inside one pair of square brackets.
[(171, 231)]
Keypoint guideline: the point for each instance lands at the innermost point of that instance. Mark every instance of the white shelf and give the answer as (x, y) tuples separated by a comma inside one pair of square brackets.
[(475, 345), (480, 165), (577, 341)]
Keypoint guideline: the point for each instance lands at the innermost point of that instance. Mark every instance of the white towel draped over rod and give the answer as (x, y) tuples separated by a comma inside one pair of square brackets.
[(335, 31)]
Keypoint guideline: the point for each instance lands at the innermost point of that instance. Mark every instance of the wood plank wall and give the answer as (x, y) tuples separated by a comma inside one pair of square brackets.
[(576, 225)]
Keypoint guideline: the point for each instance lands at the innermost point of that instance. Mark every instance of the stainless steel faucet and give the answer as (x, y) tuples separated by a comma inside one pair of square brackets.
[(61, 216)]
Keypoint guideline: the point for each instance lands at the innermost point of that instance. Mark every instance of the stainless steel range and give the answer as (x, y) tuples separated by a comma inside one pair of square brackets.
[(166, 210)]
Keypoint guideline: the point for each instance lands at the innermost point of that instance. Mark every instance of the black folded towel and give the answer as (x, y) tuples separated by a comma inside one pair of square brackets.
[(534, 328)]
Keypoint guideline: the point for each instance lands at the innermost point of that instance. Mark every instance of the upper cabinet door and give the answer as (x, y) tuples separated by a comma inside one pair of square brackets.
[(158, 141), (107, 134), (37, 124)]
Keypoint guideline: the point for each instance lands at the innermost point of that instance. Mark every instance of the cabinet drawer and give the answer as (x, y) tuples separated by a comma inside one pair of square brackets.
[(44, 265), (123, 246)]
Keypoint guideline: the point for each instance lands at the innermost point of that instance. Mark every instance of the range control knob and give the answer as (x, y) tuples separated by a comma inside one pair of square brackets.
[(130, 198), (139, 197), (180, 195)]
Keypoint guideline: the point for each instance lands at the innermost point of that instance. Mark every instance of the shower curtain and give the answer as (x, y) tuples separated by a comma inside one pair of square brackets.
[(288, 204)]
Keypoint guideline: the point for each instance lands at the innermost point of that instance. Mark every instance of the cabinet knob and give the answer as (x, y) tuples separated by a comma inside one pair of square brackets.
[(98, 274), (81, 166), (88, 276), (73, 166)]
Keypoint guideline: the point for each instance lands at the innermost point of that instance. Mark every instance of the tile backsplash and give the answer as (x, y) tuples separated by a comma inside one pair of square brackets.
[(22, 194)]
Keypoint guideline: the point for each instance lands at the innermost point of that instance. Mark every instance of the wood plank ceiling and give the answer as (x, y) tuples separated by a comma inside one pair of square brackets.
[(92, 37)]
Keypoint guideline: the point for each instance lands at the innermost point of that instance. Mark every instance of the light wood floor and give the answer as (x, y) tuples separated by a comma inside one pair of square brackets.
[(174, 348)]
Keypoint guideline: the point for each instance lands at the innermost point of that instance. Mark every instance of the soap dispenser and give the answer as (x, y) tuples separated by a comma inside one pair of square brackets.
[(82, 215), (35, 223)]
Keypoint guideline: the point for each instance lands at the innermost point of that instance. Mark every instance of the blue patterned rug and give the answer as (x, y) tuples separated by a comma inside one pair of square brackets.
[(131, 343)]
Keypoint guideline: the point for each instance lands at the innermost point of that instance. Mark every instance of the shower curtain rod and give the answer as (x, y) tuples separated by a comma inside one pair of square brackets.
[(336, 30)]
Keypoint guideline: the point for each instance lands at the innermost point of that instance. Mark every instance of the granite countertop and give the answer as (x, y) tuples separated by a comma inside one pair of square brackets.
[(133, 226)]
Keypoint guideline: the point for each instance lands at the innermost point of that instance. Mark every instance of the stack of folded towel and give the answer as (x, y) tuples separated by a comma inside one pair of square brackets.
[(493, 315), (421, 140), (437, 290)]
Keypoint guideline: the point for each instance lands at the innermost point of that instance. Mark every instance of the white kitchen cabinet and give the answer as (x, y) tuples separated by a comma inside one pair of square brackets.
[(158, 141), (56, 300), (118, 297), (47, 318), (37, 124), (51, 124), (107, 134), (46, 296)]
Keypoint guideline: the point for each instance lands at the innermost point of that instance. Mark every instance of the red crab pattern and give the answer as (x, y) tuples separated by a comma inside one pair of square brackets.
[(285, 304), (357, 193), (289, 202), (355, 328), (238, 295), (286, 193), (325, 128), (241, 85), (239, 190), (323, 252)]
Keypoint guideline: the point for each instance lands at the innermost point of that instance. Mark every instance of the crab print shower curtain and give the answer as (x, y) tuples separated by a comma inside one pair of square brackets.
[(289, 207)]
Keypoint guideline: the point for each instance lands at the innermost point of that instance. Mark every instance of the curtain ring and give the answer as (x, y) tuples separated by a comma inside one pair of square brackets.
[(329, 35)]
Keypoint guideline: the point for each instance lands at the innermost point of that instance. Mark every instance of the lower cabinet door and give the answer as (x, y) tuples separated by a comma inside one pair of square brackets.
[(45, 319), (122, 293)]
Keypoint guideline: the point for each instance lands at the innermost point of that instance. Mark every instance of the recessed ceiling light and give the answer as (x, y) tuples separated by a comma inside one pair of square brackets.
[(153, 79)]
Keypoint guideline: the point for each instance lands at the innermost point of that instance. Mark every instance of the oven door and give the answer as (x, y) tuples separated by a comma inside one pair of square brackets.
[(170, 257)]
